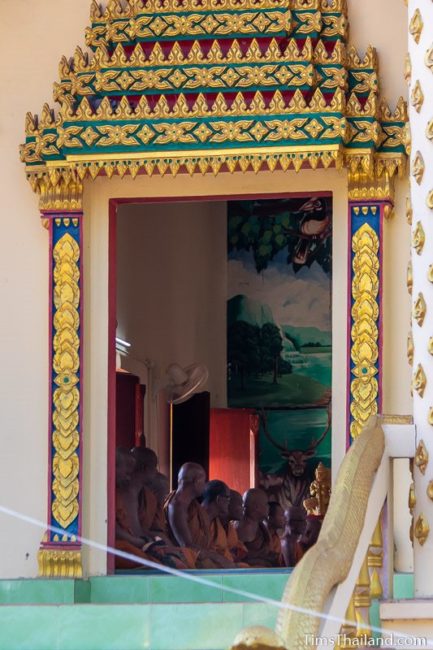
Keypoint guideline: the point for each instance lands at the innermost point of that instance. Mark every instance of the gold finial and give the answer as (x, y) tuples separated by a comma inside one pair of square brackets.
[(415, 26), (421, 457), (409, 277), (417, 97), (418, 167), (422, 529), (418, 238), (419, 381), (410, 348), (409, 211), (419, 309)]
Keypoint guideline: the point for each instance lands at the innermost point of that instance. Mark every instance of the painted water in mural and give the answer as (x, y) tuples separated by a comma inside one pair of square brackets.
[(279, 339)]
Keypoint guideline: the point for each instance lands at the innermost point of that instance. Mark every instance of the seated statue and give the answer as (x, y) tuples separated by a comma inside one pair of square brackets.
[(216, 499), (253, 532), (131, 537), (188, 522), (144, 478), (235, 513), (275, 524), (295, 520)]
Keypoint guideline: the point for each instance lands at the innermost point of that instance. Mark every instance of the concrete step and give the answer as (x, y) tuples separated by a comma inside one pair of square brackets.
[(412, 618), (147, 588), (135, 612), (192, 626)]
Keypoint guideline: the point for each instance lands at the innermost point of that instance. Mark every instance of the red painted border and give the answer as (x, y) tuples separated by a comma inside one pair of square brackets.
[(111, 407)]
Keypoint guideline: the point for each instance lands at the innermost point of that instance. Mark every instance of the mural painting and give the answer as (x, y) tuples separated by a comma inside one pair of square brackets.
[(279, 339)]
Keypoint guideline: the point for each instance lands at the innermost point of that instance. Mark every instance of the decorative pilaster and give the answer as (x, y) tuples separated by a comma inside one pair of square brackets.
[(370, 201), (60, 552), (365, 313), (420, 349)]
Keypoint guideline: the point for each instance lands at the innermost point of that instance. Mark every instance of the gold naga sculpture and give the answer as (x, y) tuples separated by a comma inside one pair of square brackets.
[(328, 562)]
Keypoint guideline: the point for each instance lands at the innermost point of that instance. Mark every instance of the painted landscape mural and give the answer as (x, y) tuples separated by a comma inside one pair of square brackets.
[(279, 339)]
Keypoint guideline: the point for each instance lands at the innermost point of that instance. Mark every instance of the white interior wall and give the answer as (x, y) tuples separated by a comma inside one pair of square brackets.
[(181, 318), (33, 41)]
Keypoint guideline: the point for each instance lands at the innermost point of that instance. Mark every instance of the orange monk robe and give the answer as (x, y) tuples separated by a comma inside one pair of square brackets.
[(259, 549), (150, 513), (275, 546), (199, 526), (218, 539), (237, 548), (122, 545)]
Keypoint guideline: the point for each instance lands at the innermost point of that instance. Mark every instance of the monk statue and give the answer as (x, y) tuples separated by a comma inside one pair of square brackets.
[(131, 536), (150, 507), (295, 520), (275, 524), (253, 532), (235, 514), (188, 522), (216, 500)]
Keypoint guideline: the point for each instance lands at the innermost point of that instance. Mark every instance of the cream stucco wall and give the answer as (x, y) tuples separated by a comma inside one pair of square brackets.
[(32, 43)]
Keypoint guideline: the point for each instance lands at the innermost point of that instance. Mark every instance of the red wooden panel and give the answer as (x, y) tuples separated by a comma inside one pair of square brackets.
[(233, 447)]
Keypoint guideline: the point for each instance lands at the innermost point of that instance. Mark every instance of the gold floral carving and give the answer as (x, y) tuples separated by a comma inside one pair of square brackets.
[(419, 381), (418, 167), (409, 277), (430, 345), (66, 395), (421, 457), (429, 58), (409, 211), (416, 25), (429, 200), (430, 490), (422, 529), (410, 348), (417, 97), (429, 130), (418, 238), (364, 333), (58, 563), (419, 309), (407, 68), (308, 588)]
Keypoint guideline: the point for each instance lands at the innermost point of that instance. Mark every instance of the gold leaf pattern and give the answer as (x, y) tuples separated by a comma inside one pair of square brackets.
[(418, 167), (419, 381), (66, 364), (364, 333), (416, 25), (418, 238), (417, 97), (421, 457), (419, 309), (422, 529)]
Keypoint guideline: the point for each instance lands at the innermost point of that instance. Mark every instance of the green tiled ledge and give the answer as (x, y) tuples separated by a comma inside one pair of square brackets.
[(204, 626), (150, 588)]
